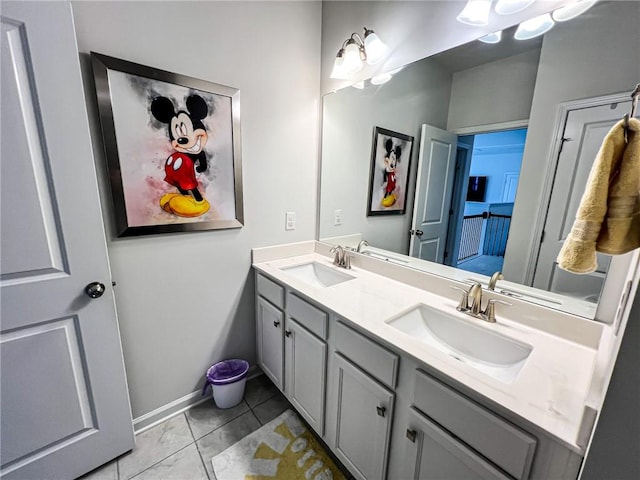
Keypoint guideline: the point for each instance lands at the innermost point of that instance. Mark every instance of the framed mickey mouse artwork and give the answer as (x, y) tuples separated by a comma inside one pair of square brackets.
[(173, 149), (390, 167)]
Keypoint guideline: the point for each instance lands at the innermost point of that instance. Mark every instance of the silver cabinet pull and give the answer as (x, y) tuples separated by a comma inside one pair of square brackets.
[(276, 323), (411, 435), (287, 333), (381, 410)]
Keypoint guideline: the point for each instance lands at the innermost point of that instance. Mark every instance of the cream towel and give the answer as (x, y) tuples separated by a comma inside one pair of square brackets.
[(608, 218)]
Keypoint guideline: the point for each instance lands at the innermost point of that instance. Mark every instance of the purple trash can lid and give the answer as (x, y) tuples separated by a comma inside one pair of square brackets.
[(227, 371)]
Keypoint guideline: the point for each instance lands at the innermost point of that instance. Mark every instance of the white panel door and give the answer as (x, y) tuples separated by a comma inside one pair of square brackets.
[(434, 187), (584, 132), (64, 399)]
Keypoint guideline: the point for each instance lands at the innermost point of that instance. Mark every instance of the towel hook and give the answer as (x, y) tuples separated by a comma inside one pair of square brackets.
[(634, 103)]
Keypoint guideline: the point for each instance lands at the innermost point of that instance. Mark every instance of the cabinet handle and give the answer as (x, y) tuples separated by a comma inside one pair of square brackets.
[(287, 333), (411, 435), (276, 323), (381, 410)]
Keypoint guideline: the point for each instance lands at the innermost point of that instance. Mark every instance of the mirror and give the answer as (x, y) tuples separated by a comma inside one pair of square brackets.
[(523, 120)]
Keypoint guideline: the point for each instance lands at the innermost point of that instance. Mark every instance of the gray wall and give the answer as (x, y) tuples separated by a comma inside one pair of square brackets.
[(185, 301), (413, 97), (495, 92), (597, 61)]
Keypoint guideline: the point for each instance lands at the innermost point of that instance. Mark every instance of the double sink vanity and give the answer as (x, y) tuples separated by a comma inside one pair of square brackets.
[(400, 384)]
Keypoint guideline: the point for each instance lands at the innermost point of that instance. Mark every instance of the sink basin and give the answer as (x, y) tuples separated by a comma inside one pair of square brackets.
[(489, 352), (317, 275)]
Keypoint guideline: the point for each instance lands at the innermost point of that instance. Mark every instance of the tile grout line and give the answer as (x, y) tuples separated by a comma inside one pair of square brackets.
[(221, 425), (206, 472), (163, 459), (160, 461)]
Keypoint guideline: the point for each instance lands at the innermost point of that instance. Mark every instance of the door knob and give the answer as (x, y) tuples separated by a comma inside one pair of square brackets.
[(94, 289), (381, 410), (276, 323), (419, 232)]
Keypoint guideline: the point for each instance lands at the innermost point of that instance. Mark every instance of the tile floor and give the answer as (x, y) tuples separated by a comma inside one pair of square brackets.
[(181, 448)]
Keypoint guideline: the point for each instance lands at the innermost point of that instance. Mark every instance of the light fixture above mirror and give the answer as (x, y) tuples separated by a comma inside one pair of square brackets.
[(534, 27), (355, 51), (494, 37), (507, 7), (475, 13), (572, 10)]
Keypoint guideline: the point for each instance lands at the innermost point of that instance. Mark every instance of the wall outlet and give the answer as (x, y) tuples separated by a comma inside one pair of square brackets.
[(290, 221), (337, 217)]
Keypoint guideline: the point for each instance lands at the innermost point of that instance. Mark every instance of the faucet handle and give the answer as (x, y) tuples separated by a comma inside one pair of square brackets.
[(463, 305), (346, 261), (490, 311)]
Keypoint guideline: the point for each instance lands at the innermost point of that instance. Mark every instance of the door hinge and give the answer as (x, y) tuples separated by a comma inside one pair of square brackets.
[(446, 254)]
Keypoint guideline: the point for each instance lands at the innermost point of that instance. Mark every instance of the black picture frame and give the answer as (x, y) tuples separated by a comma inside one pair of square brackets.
[(138, 145), (390, 155)]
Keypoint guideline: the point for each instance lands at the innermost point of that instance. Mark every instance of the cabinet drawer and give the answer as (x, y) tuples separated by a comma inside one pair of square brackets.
[(376, 360), (270, 290), (310, 317), (501, 442)]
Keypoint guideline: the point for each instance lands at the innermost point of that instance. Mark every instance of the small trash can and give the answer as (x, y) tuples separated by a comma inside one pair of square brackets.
[(227, 379)]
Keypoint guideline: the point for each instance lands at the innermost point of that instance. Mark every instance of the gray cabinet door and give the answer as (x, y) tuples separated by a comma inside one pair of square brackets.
[(363, 422), (269, 339), (436, 455), (306, 366)]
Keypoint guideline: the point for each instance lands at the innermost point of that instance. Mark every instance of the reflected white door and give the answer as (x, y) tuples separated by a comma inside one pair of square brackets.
[(64, 399), (584, 132), (434, 186)]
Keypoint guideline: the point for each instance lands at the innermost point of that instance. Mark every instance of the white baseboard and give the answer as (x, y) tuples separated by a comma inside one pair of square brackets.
[(160, 414)]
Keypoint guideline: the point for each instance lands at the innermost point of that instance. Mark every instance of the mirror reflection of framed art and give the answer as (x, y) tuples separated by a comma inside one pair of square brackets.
[(390, 167)]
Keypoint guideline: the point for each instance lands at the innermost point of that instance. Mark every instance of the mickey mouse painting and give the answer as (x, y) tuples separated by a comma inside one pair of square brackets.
[(391, 158), (188, 137)]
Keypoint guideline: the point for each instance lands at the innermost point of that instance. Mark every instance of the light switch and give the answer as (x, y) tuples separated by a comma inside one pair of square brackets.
[(337, 217), (290, 222)]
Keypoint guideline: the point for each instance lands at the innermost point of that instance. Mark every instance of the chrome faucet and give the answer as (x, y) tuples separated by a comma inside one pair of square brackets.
[(362, 243), (471, 303), (494, 279), (341, 257)]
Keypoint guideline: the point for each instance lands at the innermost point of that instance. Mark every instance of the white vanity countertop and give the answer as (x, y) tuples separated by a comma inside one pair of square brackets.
[(550, 390)]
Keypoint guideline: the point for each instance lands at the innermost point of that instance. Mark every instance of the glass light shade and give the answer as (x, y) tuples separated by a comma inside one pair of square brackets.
[(507, 7), (476, 12), (494, 37), (536, 26), (374, 47), (352, 62), (380, 79), (338, 72), (572, 10)]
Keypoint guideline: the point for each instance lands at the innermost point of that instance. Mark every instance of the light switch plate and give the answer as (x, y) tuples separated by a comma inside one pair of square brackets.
[(337, 217), (290, 221)]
